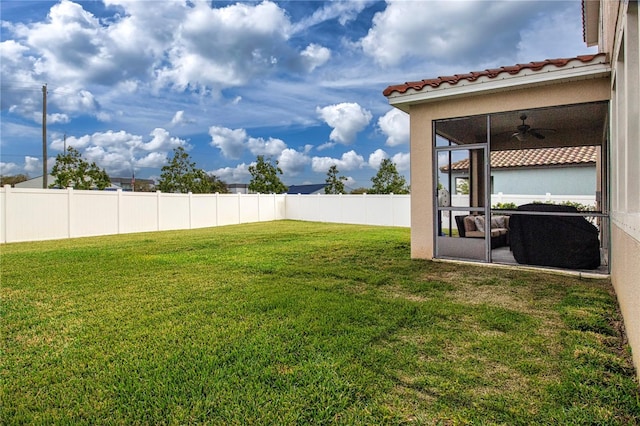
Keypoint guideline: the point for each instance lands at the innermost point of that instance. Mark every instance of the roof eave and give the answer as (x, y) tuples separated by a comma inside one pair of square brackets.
[(591, 22), (550, 74)]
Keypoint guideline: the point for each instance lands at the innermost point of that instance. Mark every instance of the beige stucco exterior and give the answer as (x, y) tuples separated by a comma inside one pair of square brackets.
[(625, 276), (618, 29), (614, 27), (422, 116)]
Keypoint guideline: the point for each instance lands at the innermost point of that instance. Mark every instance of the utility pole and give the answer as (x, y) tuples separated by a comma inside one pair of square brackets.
[(44, 137)]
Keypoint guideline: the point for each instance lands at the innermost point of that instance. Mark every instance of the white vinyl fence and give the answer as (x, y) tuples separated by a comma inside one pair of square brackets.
[(47, 214)]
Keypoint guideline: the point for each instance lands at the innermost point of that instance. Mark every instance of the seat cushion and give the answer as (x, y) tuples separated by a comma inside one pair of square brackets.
[(469, 224)]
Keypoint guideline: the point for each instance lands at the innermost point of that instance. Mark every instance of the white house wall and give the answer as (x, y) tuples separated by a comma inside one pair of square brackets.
[(620, 39), (570, 180)]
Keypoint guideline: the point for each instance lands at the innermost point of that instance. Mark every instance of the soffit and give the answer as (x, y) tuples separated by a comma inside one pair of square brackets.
[(567, 125), (590, 21)]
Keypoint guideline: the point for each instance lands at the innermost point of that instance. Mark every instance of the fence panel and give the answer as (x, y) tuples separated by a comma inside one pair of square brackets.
[(92, 213), (203, 210), (354, 209), (138, 212), (33, 214), (43, 214), (175, 211), (228, 209)]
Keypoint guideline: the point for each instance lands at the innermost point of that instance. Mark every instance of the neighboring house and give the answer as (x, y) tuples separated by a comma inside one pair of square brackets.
[(116, 183), (317, 188), (126, 183), (558, 171), (238, 188), (589, 100), (35, 182)]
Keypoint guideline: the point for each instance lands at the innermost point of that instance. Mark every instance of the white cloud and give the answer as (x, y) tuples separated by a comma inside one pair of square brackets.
[(539, 39), (347, 119), (71, 98), (238, 174), (326, 145), (343, 11), (151, 160), (230, 142), (376, 157), (180, 119), (349, 161), (293, 162), (350, 182), (57, 118), (446, 31), (402, 160), (225, 47), (32, 165), (270, 147), (162, 140), (395, 124), (314, 56), (121, 152), (9, 169)]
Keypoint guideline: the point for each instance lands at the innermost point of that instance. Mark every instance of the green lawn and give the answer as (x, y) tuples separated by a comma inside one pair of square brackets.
[(300, 323)]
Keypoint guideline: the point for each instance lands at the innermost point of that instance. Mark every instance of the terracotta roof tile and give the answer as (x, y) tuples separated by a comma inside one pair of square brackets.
[(564, 156), (490, 73)]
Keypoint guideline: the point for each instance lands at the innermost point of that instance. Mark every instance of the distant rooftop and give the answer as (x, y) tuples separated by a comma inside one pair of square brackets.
[(565, 156), (306, 189)]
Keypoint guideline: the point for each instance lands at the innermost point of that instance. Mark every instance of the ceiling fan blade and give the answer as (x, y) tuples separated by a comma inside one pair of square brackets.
[(536, 134)]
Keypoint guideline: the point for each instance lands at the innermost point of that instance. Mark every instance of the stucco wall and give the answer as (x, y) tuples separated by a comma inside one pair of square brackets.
[(422, 116), (625, 276), (622, 41)]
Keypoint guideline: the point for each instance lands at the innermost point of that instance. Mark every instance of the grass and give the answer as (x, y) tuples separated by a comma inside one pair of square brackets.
[(300, 323)]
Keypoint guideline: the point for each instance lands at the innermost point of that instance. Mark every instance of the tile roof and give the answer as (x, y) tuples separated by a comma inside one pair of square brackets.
[(306, 189), (489, 73), (571, 155)]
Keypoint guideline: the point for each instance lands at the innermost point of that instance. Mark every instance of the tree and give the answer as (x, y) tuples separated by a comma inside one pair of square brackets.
[(388, 180), (217, 185), (462, 186), (264, 177), (182, 176), (12, 180), (73, 171), (334, 182), (361, 190)]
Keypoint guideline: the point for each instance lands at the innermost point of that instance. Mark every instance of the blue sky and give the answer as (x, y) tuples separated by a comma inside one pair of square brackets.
[(296, 81)]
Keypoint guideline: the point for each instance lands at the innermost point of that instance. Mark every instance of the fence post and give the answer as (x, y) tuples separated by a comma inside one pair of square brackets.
[(393, 221), (119, 210), (5, 211), (364, 203), (69, 211), (217, 209), (158, 212), (190, 209)]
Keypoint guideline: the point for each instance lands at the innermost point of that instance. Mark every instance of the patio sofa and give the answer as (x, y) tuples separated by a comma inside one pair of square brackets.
[(569, 242), (472, 226)]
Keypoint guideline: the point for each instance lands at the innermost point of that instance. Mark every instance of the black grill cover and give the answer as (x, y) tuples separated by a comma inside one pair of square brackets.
[(569, 242)]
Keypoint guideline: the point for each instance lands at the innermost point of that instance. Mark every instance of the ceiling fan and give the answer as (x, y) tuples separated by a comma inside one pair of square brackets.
[(524, 130)]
